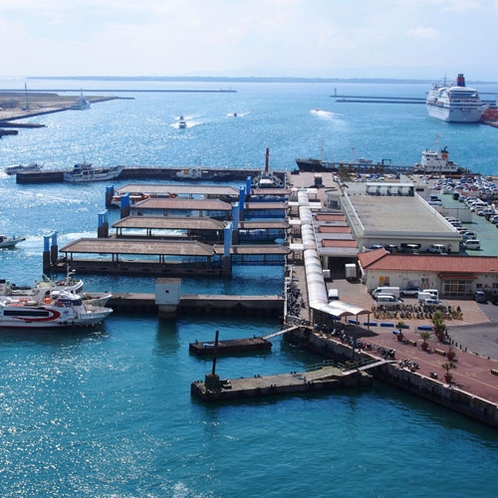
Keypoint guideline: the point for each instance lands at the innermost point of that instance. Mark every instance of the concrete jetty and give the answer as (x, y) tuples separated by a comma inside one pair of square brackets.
[(323, 378)]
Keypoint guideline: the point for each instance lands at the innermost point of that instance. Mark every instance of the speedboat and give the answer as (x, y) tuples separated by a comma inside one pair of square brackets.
[(22, 168), (182, 124), (57, 309), (85, 172), (10, 242)]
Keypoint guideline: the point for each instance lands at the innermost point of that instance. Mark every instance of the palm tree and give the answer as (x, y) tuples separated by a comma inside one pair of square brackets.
[(439, 325), (425, 335), (449, 365)]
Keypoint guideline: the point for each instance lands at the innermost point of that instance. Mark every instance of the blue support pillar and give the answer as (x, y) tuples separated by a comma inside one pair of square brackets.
[(227, 244), (103, 226), (235, 221), (248, 185), (242, 201)]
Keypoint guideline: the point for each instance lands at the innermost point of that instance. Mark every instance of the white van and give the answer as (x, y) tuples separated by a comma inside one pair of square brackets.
[(472, 244), (333, 295), (388, 300), (393, 291), (427, 294)]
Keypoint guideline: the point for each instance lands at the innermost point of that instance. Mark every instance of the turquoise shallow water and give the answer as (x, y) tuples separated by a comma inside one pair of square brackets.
[(108, 413)]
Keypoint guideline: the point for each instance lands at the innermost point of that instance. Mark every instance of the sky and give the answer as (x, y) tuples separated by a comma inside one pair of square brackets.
[(403, 39)]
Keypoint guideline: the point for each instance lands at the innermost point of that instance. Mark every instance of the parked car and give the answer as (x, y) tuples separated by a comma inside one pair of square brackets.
[(437, 249), (410, 291), (432, 302), (480, 296), (469, 235), (472, 245)]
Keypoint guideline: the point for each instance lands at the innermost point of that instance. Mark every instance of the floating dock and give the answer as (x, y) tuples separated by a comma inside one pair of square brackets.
[(324, 378), (230, 346)]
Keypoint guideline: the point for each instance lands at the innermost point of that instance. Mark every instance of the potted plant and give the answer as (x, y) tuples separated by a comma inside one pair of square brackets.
[(451, 354), (425, 335), (439, 326), (448, 366), (401, 326)]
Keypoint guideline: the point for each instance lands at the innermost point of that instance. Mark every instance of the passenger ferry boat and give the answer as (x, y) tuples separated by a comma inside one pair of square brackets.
[(454, 104), (58, 309)]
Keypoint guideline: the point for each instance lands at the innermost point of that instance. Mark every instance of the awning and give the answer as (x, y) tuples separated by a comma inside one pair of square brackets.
[(457, 276)]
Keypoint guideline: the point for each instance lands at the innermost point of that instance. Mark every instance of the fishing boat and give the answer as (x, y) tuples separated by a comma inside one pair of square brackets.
[(85, 172), (23, 168), (454, 103), (81, 103), (9, 242), (57, 309)]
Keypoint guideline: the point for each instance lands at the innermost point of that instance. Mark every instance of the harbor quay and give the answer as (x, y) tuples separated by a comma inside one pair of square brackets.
[(322, 236)]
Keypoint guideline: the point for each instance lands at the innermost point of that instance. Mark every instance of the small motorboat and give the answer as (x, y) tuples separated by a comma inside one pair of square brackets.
[(9, 242), (182, 124)]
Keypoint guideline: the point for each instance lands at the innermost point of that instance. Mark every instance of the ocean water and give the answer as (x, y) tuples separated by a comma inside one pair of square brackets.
[(108, 412)]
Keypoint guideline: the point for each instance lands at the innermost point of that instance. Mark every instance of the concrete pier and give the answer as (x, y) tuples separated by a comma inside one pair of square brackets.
[(326, 378)]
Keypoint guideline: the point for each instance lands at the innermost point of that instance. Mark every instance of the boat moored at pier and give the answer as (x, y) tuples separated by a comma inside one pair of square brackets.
[(19, 168), (454, 103), (58, 309), (85, 172)]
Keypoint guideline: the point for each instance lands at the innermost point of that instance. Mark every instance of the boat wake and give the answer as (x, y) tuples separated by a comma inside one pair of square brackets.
[(324, 114)]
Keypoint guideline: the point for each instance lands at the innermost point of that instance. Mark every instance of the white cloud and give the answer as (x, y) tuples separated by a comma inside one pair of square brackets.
[(243, 37), (424, 33)]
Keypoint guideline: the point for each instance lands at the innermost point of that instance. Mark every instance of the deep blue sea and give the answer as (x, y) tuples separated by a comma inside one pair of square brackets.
[(108, 413)]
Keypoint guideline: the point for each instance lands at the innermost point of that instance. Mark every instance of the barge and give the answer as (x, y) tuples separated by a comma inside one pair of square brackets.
[(230, 346)]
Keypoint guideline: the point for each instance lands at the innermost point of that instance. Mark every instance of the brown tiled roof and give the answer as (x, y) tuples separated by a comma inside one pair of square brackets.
[(366, 258), (338, 243), (330, 217), (430, 263), (333, 229)]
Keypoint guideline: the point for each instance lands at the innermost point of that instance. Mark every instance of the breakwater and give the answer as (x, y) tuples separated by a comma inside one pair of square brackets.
[(147, 172)]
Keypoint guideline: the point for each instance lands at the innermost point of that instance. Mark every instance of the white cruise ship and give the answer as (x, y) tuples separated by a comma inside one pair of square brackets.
[(454, 104)]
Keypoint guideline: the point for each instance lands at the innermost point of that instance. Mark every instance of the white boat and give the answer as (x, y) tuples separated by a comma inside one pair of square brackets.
[(57, 309), (6, 242), (45, 286), (81, 103), (23, 168), (437, 162), (85, 172), (182, 124), (455, 103), (190, 173)]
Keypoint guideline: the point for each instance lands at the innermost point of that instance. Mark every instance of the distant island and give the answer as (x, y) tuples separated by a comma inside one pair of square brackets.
[(240, 79)]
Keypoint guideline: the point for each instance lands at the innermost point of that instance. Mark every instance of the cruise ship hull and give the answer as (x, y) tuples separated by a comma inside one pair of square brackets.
[(454, 115)]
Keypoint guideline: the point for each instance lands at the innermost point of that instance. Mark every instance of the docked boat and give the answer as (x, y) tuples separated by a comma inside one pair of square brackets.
[(311, 165), (46, 286), (81, 103), (454, 103), (182, 123), (58, 309), (9, 242), (437, 162), (23, 168), (85, 172), (191, 173)]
